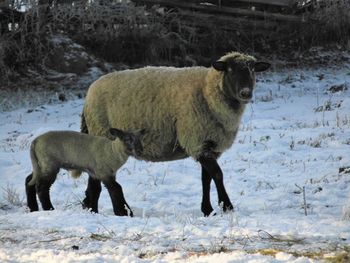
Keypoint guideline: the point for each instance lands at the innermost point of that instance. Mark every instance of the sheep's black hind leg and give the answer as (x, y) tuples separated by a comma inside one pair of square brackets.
[(206, 180), (117, 197), (31, 195), (43, 190), (213, 169), (92, 194)]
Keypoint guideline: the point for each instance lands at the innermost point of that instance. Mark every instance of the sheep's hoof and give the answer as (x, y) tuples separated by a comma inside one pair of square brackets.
[(33, 209), (228, 207), (124, 213)]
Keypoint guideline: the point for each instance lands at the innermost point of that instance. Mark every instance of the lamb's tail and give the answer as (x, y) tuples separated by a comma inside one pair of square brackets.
[(31, 180), (75, 173), (83, 126), (36, 169), (83, 129)]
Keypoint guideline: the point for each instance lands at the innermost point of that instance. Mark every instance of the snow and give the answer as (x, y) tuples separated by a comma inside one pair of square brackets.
[(295, 134)]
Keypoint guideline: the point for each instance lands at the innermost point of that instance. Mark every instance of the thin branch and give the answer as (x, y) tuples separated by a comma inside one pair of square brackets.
[(304, 198)]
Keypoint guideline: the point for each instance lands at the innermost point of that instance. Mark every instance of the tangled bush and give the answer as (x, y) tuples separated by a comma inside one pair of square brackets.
[(121, 32), (130, 35), (330, 22), (24, 42)]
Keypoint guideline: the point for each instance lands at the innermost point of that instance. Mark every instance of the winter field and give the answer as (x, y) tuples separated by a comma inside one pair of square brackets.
[(288, 176)]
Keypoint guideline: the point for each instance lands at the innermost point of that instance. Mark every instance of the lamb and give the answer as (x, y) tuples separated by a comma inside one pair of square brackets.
[(188, 112), (98, 156)]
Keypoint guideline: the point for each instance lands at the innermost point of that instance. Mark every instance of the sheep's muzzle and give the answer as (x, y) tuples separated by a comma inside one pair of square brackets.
[(245, 95)]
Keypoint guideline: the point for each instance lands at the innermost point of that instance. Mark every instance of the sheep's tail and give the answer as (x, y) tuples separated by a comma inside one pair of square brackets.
[(83, 129)]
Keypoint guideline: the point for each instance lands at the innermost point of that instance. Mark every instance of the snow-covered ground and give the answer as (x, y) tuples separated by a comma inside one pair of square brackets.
[(294, 136)]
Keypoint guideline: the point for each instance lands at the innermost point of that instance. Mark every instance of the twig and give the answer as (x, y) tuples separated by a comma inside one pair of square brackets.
[(267, 236), (111, 233), (261, 234), (51, 240), (304, 198)]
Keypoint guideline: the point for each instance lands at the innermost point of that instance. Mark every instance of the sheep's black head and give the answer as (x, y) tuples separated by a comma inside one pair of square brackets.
[(239, 75), (131, 140)]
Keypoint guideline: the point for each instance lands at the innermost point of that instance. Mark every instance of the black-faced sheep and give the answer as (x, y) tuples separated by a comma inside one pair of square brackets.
[(98, 156), (187, 112)]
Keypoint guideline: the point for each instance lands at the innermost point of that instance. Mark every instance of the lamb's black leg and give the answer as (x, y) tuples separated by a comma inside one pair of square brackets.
[(92, 194), (117, 197), (43, 190), (31, 195), (206, 180), (213, 169)]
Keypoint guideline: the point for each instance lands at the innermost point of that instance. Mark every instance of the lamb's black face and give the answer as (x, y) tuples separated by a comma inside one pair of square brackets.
[(131, 140), (239, 77), (133, 144)]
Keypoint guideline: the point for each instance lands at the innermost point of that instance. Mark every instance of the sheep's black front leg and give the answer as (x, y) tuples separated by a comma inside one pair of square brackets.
[(92, 194), (206, 180), (31, 194), (117, 197), (213, 169)]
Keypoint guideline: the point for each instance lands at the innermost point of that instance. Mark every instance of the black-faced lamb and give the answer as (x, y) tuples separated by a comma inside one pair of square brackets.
[(98, 156), (192, 111)]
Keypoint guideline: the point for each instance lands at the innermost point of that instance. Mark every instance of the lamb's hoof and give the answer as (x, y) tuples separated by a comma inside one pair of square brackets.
[(86, 205), (207, 210), (48, 208), (210, 214)]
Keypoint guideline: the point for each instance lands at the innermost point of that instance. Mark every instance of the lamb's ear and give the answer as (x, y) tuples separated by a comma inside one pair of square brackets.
[(260, 66), (117, 133), (141, 133), (220, 65)]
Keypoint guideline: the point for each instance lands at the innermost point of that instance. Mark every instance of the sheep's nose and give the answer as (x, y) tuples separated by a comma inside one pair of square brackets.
[(246, 94)]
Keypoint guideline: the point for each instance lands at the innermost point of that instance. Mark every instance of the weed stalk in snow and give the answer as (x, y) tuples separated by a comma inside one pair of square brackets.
[(304, 198)]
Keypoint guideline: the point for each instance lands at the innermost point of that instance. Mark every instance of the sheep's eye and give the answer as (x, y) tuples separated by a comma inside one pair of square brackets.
[(242, 70)]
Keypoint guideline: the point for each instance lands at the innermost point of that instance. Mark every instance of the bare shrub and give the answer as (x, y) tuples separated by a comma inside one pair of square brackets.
[(330, 22), (122, 32), (132, 35), (5, 70), (346, 210), (24, 43), (11, 197)]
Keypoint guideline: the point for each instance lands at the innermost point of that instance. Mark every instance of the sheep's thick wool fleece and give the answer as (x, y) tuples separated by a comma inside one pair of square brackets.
[(181, 109)]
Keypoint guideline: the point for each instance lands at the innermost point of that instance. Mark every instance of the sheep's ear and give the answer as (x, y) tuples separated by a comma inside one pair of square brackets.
[(117, 133), (260, 66), (220, 65)]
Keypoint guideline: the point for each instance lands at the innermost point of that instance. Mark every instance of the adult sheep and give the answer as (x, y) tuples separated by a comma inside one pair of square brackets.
[(188, 112)]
